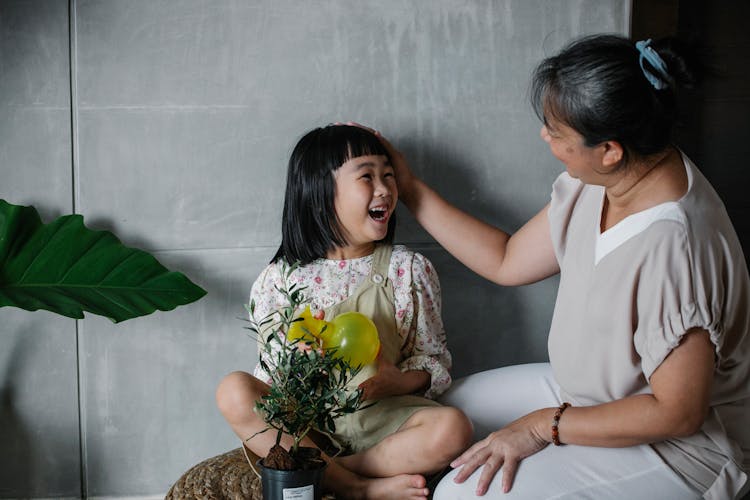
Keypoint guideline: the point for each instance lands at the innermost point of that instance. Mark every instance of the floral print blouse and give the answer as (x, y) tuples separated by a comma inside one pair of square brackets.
[(416, 290)]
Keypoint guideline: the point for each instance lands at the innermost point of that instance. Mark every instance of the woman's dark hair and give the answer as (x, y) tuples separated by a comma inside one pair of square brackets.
[(596, 86), (309, 225)]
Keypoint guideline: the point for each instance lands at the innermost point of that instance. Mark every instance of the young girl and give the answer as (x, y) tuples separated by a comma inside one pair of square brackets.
[(339, 221)]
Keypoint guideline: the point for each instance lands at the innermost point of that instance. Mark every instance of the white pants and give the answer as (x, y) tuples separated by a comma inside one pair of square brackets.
[(494, 398)]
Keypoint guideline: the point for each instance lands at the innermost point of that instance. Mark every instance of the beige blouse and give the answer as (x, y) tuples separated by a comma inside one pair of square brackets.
[(628, 295)]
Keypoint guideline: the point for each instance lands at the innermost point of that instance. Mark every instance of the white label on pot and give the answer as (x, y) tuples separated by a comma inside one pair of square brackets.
[(301, 493)]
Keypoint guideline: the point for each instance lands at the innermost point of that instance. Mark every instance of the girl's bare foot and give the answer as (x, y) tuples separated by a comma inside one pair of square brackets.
[(404, 486), (401, 487)]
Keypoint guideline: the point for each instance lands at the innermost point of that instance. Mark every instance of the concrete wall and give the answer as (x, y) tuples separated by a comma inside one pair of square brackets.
[(170, 123)]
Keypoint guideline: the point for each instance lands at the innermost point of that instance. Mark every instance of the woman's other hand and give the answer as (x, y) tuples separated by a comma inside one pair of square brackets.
[(391, 381), (505, 448)]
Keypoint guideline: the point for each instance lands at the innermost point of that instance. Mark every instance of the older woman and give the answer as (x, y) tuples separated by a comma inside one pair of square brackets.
[(648, 381)]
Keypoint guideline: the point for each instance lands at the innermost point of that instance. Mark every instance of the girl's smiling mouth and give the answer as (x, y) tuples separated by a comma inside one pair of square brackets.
[(379, 214)]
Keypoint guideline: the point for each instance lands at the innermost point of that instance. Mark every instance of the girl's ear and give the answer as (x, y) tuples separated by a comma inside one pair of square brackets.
[(613, 153)]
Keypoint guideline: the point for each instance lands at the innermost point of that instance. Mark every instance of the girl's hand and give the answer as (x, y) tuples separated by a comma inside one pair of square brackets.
[(505, 448), (405, 178), (391, 381)]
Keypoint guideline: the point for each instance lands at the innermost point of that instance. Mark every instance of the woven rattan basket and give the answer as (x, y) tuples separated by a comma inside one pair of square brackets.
[(227, 476), (223, 477)]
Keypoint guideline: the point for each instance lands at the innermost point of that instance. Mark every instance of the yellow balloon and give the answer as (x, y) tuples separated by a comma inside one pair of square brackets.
[(306, 330), (355, 337)]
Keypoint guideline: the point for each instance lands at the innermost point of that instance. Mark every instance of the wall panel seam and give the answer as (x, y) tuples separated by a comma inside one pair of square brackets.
[(75, 193)]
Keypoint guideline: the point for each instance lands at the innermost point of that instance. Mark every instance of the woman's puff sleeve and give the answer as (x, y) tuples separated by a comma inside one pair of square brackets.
[(671, 296)]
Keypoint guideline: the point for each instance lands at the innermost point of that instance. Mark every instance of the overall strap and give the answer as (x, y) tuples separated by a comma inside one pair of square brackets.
[(381, 262)]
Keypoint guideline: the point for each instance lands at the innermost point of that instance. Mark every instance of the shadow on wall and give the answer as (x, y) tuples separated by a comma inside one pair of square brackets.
[(39, 433), (130, 239), (15, 440)]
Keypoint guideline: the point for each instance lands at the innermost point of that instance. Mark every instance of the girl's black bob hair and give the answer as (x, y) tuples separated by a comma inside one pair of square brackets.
[(309, 226)]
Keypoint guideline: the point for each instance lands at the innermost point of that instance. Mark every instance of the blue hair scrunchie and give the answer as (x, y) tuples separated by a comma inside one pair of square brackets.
[(663, 79)]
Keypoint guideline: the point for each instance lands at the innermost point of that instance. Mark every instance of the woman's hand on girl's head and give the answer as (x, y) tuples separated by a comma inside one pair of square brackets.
[(504, 448)]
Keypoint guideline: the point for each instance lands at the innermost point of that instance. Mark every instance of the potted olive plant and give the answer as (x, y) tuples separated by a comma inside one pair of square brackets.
[(307, 391)]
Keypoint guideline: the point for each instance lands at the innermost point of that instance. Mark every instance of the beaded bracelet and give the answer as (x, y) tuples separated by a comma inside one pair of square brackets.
[(556, 422)]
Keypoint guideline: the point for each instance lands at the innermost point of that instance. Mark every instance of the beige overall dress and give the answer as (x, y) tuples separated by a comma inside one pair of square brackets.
[(374, 298)]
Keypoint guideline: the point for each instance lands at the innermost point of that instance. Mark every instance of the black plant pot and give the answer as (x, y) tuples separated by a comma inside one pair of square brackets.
[(291, 484)]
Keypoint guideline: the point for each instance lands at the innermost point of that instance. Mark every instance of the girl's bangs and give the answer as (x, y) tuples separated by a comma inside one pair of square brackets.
[(347, 142)]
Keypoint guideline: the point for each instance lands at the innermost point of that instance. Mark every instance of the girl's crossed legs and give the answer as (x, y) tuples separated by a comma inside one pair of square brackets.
[(394, 468)]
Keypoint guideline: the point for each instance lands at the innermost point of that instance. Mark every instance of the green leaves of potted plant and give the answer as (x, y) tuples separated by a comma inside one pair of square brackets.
[(66, 268), (308, 391)]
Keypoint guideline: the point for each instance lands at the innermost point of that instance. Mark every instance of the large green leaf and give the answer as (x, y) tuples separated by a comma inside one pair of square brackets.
[(67, 268)]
